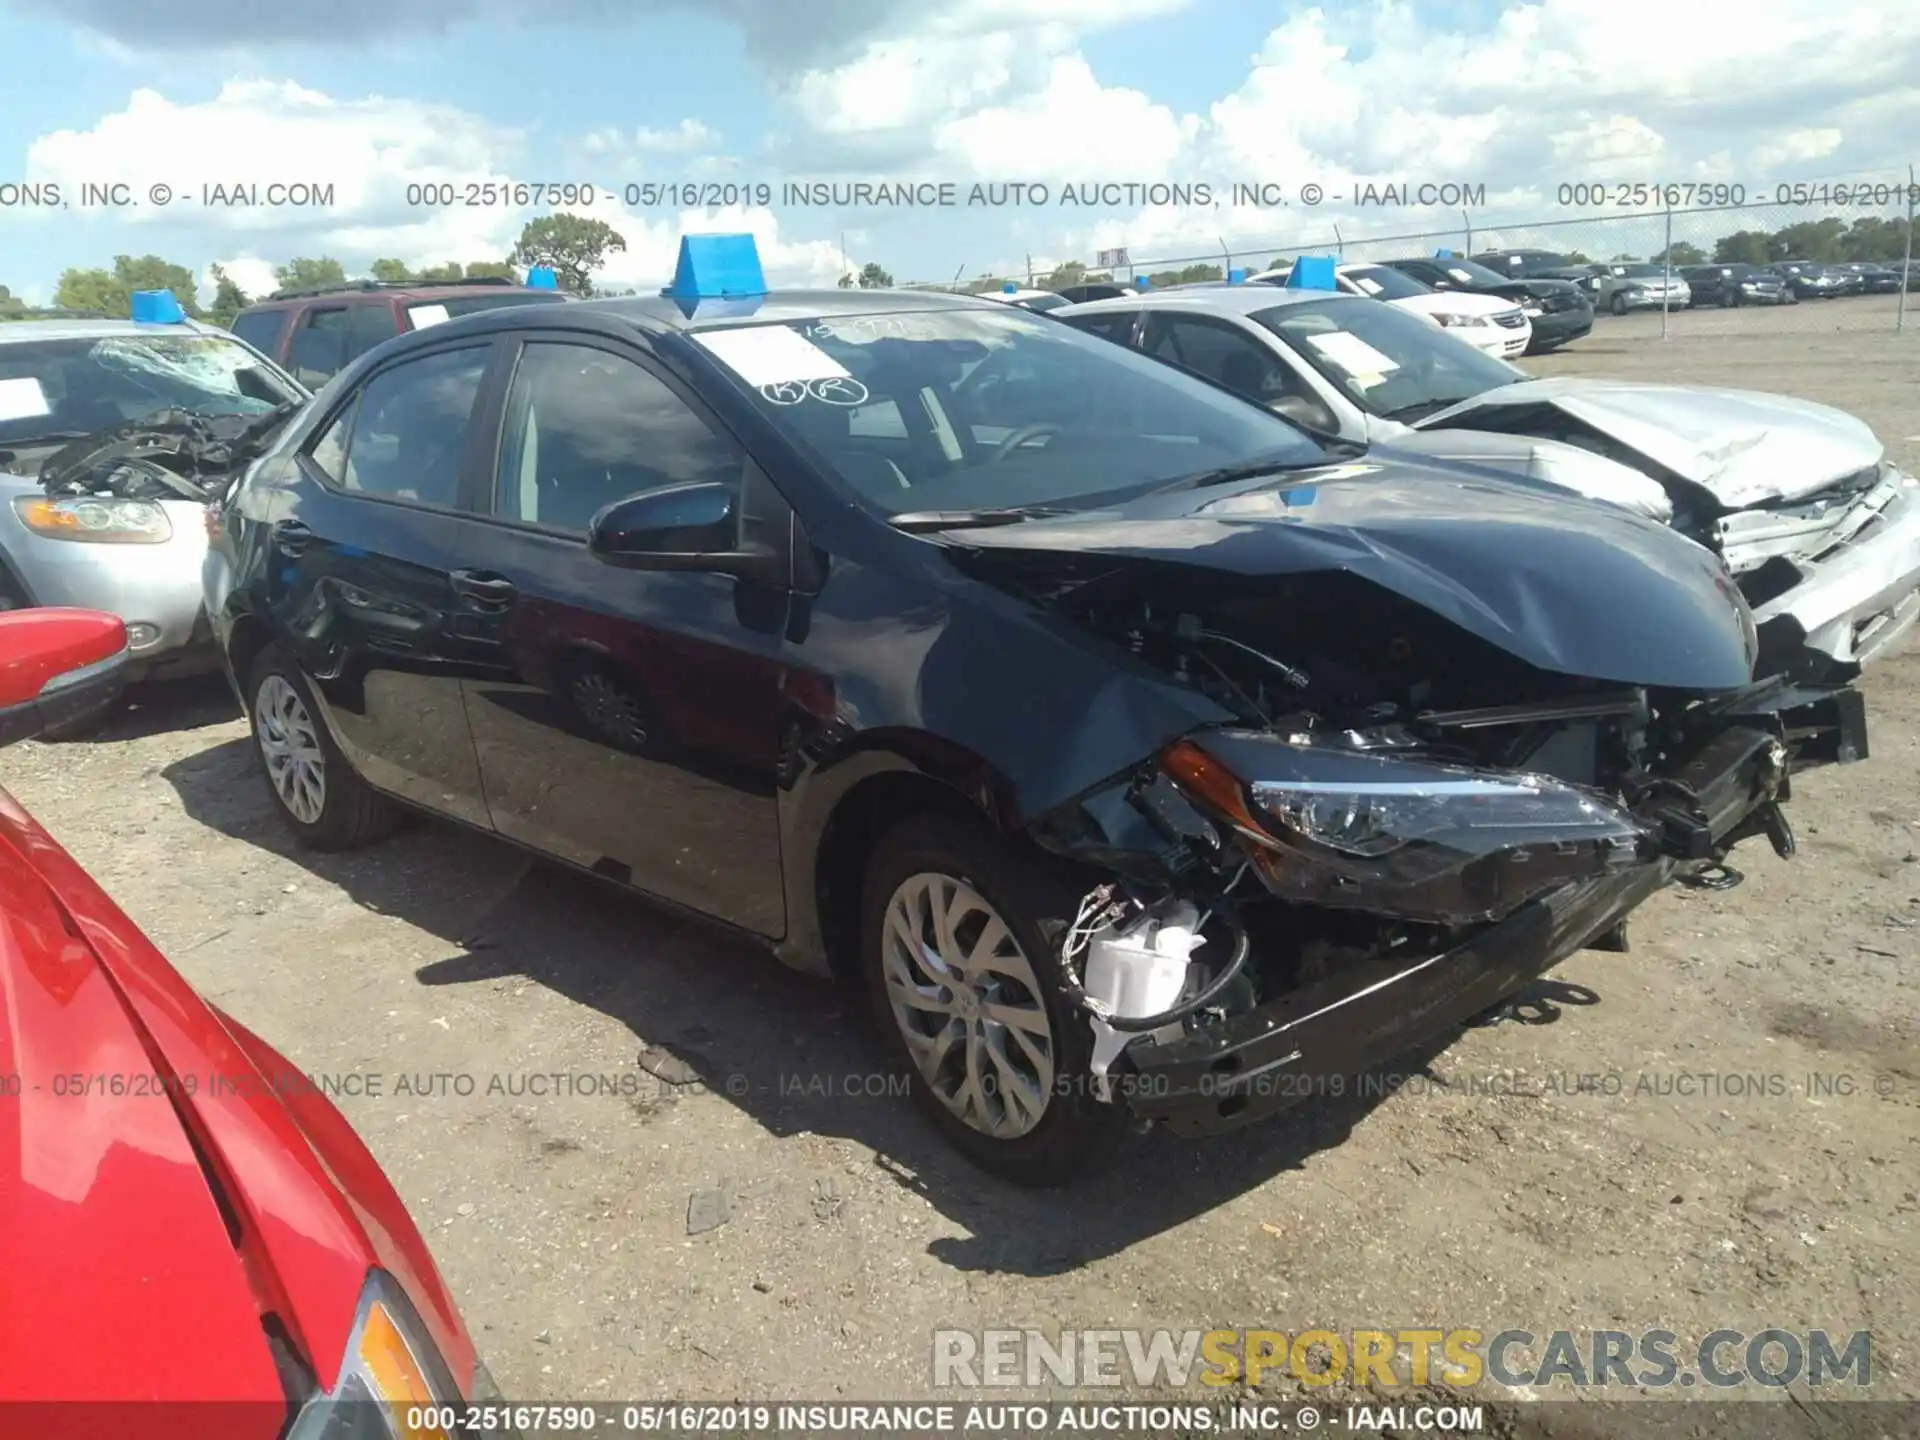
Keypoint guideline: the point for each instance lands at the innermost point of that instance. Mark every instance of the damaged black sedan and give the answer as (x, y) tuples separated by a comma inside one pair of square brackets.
[(1136, 754)]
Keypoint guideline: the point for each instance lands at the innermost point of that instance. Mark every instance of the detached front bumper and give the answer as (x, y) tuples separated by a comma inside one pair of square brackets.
[(1833, 615), (1313, 1042)]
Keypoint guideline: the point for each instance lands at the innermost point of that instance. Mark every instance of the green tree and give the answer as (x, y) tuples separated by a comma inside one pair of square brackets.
[(1625, 259), (1579, 257), (1073, 272), (847, 280), (1681, 253), (228, 299), (12, 307), (572, 245), (490, 270), (1191, 275), (1818, 240), (1743, 247), (111, 291), (306, 274), (390, 272), (1871, 238), (451, 270), (872, 277)]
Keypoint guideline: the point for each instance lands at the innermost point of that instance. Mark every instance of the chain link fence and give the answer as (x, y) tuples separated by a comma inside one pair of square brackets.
[(1844, 263)]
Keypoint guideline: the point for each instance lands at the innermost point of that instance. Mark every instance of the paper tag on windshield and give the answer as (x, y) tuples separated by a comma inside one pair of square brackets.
[(1352, 354), (425, 315), (23, 399), (771, 354), (1372, 287)]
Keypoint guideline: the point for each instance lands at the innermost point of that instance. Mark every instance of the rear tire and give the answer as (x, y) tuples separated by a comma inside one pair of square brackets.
[(315, 791), (1618, 304), (998, 1057)]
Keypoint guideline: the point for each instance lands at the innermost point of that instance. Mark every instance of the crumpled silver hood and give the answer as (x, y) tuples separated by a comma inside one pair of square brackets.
[(1745, 447)]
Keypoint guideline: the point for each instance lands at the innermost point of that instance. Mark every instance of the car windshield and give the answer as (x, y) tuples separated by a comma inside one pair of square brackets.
[(1390, 363), (1045, 302), (993, 408), (432, 312), (1383, 283), (1643, 271), (72, 387)]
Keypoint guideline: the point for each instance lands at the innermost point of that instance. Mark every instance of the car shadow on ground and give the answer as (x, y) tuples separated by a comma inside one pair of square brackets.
[(154, 707), (795, 1053)]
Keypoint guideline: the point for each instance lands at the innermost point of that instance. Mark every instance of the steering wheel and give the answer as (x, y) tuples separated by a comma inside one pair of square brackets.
[(1023, 435)]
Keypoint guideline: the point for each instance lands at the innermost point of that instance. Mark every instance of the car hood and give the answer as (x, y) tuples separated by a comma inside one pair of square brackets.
[(1744, 447), (122, 1283), (1455, 302), (1568, 586)]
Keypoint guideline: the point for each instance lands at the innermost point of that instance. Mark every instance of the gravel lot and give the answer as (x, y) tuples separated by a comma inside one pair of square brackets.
[(562, 1221)]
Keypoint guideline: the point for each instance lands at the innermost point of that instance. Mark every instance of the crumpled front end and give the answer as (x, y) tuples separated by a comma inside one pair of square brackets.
[(1834, 579), (1404, 828)]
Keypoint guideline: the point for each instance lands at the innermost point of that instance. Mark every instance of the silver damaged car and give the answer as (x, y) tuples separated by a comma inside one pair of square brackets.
[(1818, 528)]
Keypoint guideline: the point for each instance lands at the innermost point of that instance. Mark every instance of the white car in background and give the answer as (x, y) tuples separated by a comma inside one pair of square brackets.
[(1817, 527), (1028, 299), (1489, 322)]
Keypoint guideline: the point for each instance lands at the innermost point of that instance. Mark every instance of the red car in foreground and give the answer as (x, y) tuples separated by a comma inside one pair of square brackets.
[(193, 1242)]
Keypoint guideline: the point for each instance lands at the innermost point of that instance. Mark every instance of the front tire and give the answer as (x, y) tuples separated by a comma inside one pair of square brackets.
[(1618, 305), (966, 986), (315, 792)]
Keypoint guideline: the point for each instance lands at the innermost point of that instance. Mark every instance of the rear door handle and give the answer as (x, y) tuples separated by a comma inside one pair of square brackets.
[(290, 537), (484, 590)]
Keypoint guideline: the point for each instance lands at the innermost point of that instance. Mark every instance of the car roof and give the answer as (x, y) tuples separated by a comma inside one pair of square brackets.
[(23, 331), (1229, 299), (334, 294), (660, 312)]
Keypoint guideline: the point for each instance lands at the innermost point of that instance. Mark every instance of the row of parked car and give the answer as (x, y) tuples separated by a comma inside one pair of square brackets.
[(1623, 286), (1147, 707)]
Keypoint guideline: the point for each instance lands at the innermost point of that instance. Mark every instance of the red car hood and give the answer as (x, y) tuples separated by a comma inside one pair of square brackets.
[(163, 1204)]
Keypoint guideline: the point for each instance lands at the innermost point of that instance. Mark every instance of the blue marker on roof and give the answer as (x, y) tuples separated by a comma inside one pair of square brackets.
[(1312, 272), (156, 307), (1236, 277), (541, 277), (717, 267), (1009, 288)]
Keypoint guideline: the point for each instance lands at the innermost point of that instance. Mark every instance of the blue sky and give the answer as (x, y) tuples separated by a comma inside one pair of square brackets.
[(373, 95)]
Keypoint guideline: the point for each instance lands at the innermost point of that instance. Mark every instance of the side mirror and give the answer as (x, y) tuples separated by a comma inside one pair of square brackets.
[(1309, 414), (58, 666), (694, 526)]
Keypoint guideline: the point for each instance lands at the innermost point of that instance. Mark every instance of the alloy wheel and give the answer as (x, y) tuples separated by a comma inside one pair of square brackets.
[(968, 1005), (290, 744), (610, 708)]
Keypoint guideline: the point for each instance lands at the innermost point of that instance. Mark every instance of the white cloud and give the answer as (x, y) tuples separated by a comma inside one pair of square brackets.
[(687, 135), (1112, 134)]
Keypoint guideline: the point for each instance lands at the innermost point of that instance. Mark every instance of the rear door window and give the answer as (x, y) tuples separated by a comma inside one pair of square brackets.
[(319, 346), (371, 324), (261, 329)]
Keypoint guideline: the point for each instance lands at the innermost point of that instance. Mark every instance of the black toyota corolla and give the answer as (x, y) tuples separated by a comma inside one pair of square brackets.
[(1140, 756)]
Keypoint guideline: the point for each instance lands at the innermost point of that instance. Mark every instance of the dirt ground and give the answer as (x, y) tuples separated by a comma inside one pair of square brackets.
[(1743, 1153)]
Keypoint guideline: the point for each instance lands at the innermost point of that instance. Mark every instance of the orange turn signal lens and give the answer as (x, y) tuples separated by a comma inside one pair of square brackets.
[(397, 1376), (1207, 780)]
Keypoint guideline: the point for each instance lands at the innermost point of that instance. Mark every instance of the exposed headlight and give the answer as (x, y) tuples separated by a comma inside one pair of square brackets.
[(393, 1383), (1452, 320), (1397, 833), (101, 519)]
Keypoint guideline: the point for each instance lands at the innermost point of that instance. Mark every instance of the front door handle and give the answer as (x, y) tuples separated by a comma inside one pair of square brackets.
[(484, 590), (290, 538)]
